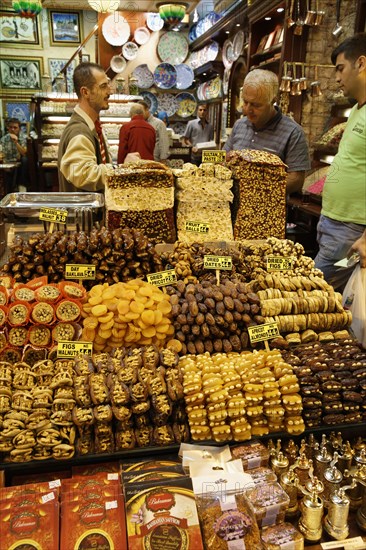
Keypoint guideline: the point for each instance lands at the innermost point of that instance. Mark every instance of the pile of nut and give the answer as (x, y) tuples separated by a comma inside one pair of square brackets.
[(125, 314), (332, 380), (262, 194), (100, 404), (213, 318), (118, 255), (234, 396)]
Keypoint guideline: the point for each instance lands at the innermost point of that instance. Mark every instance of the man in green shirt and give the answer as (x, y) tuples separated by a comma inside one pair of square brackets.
[(342, 224)]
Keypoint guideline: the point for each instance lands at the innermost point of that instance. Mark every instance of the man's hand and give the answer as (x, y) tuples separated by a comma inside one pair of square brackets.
[(14, 138), (194, 149), (360, 247)]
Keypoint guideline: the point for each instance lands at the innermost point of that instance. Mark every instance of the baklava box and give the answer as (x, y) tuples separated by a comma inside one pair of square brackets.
[(162, 515)]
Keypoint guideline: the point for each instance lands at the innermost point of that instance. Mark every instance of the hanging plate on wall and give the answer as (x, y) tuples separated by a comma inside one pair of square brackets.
[(115, 32), (186, 104), (185, 76), (145, 78), (173, 47), (165, 76), (154, 22), (141, 35), (167, 103), (238, 43), (151, 100), (130, 50)]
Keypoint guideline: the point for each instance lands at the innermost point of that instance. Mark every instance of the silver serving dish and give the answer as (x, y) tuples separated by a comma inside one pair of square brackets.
[(19, 213)]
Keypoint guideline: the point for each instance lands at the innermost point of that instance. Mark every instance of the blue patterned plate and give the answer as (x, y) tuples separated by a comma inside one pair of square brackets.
[(151, 100), (154, 21), (165, 76), (167, 103), (145, 78), (185, 76), (186, 104)]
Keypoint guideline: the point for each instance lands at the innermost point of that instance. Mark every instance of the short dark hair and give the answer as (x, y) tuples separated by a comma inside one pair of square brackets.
[(12, 120), (83, 76), (352, 47)]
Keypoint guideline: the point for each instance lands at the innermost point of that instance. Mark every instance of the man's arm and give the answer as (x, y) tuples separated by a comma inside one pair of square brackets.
[(162, 140), (79, 165), (360, 247), (21, 147), (295, 181)]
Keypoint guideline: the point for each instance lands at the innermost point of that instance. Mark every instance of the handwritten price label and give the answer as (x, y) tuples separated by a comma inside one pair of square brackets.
[(162, 278), (53, 215), (197, 227), (71, 349), (263, 332), (213, 156), (80, 271), (279, 263), (224, 263)]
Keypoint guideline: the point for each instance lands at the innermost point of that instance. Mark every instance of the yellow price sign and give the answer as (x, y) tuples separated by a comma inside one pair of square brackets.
[(197, 227), (263, 332), (53, 215), (279, 263), (213, 156), (71, 349), (224, 263), (162, 278), (80, 271)]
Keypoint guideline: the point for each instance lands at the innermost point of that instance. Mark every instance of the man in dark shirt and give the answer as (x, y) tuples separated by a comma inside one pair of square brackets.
[(198, 131), (136, 136)]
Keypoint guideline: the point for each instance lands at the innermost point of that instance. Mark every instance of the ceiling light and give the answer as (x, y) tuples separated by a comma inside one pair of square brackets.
[(104, 6), (267, 18), (227, 32), (27, 9), (280, 10), (238, 24), (172, 14)]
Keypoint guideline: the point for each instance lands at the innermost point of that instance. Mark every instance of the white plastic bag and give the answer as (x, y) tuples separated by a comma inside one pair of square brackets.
[(354, 299)]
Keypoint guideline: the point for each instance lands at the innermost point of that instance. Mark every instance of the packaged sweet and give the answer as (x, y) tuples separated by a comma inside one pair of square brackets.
[(282, 537), (252, 454), (162, 512), (262, 475), (270, 503)]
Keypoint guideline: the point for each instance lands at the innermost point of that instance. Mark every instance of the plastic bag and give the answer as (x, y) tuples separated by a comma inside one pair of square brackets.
[(354, 299)]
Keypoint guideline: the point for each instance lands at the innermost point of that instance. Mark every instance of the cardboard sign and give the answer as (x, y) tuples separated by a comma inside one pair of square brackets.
[(197, 227), (263, 332), (213, 156), (224, 263), (71, 349), (80, 271), (279, 263), (53, 215), (162, 278)]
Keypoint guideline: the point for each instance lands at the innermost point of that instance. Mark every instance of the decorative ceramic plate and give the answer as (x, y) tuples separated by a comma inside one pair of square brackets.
[(186, 104), (118, 63), (200, 93), (192, 33), (238, 43), (115, 32), (225, 81), (185, 76), (141, 35), (167, 103), (227, 45), (173, 47), (200, 28), (213, 89), (165, 76), (230, 56), (154, 22), (145, 78), (179, 128), (152, 101), (130, 50), (212, 51)]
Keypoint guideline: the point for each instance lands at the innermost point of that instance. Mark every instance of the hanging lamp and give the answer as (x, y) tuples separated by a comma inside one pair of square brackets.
[(26, 8), (104, 6), (171, 13)]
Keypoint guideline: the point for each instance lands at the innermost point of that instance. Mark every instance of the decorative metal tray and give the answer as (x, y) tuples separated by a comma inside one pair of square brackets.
[(28, 204)]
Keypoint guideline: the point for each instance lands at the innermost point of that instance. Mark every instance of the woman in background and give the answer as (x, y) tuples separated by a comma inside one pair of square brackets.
[(163, 115)]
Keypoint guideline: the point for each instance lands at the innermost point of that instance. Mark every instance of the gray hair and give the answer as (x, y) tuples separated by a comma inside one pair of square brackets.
[(136, 109), (266, 82)]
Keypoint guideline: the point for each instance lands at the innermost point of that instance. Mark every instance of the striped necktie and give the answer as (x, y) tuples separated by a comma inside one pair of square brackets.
[(98, 128)]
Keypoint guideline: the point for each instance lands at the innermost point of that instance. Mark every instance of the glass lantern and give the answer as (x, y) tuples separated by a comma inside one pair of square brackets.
[(132, 85), (120, 85)]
